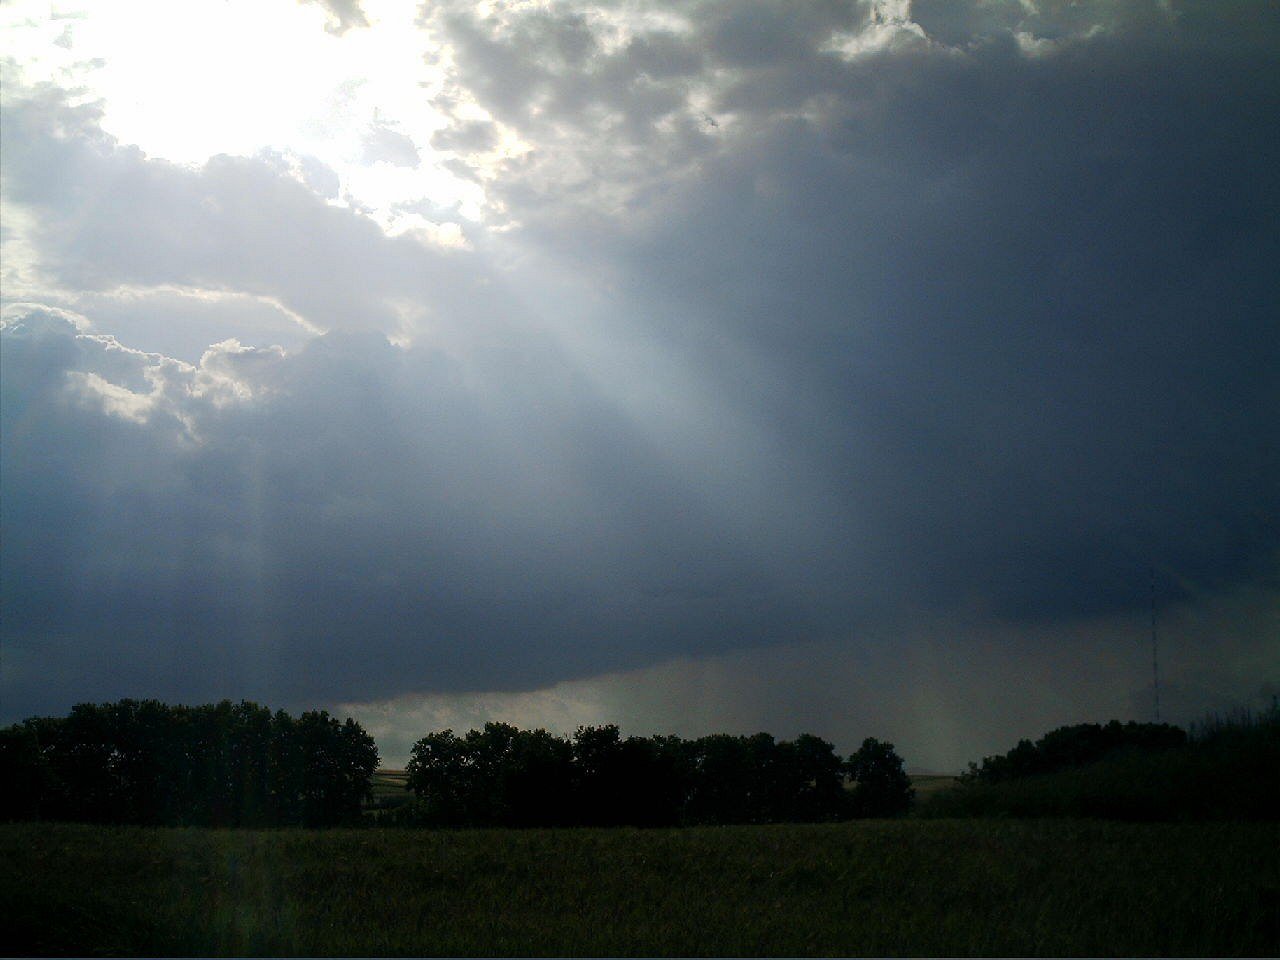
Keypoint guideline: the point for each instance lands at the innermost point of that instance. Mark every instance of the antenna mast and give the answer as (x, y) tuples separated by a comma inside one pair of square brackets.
[(1155, 662)]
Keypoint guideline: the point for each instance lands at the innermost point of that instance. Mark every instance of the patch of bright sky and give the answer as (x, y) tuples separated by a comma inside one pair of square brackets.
[(187, 81), (890, 24)]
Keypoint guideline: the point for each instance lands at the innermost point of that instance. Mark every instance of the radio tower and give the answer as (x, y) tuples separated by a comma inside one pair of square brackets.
[(1155, 661)]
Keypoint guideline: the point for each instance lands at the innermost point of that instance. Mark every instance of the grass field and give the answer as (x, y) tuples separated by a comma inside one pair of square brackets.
[(870, 887)]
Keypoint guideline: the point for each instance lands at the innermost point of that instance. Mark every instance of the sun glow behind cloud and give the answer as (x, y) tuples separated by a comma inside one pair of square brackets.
[(190, 81)]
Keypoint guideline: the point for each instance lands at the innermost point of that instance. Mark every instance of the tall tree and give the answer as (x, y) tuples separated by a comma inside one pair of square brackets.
[(881, 785)]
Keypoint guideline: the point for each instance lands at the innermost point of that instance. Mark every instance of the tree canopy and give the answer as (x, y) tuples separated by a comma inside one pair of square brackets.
[(1074, 746), (502, 775), (240, 764), (881, 786), (224, 764)]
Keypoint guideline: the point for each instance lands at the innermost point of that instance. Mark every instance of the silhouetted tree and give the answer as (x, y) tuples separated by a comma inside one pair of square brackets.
[(32, 787), (722, 789), (1074, 746), (818, 792), (599, 772), (439, 773), (496, 776), (338, 763), (537, 787), (220, 765), (638, 781), (504, 776), (881, 786)]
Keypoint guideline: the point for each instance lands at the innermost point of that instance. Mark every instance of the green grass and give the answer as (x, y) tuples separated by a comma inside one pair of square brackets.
[(871, 887)]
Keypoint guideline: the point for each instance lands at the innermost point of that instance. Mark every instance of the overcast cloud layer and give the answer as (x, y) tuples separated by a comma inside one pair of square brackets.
[(781, 328)]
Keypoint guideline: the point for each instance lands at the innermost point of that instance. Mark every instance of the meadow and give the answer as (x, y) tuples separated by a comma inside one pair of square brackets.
[(931, 887)]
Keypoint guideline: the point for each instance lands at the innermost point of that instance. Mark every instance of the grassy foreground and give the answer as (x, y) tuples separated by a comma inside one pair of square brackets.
[(870, 887)]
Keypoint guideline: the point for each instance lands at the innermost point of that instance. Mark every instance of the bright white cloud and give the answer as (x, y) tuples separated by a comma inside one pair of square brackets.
[(187, 82)]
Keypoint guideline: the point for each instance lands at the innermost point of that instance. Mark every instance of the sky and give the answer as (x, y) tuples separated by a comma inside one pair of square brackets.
[(854, 368)]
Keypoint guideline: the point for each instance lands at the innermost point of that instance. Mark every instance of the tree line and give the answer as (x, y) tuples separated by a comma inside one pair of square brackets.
[(505, 776), (1227, 768), (224, 764), (241, 765), (1075, 746)]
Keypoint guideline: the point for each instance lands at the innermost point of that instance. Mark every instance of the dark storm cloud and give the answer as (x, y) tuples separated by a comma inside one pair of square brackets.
[(467, 512), (354, 519), (795, 328), (1013, 289)]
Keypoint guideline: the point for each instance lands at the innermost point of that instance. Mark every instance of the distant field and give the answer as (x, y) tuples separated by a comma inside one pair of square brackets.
[(389, 788), (869, 887), (927, 784)]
